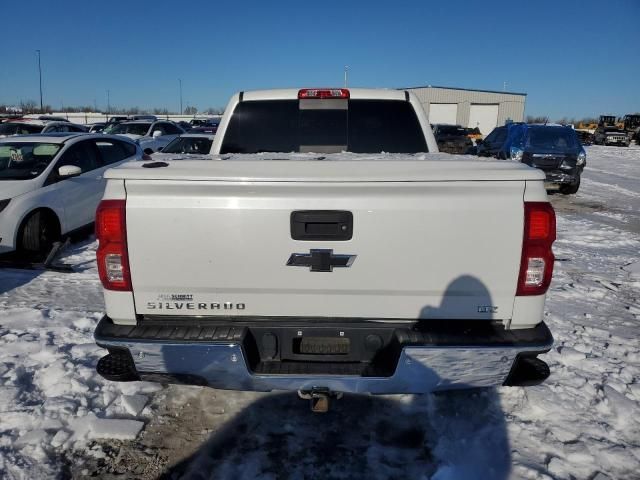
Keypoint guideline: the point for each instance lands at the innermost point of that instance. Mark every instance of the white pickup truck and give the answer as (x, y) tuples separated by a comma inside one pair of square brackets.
[(360, 261)]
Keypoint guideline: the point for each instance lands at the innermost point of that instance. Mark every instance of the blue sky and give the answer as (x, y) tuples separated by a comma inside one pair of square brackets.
[(572, 58)]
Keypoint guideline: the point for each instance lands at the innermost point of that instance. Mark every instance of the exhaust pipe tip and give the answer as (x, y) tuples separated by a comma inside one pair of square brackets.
[(527, 372)]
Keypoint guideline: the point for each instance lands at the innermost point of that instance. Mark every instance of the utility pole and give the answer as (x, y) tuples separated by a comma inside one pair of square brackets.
[(180, 82), (108, 103), (346, 75), (40, 75)]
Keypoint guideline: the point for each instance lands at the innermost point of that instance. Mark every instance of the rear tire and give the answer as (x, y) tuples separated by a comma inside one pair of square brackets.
[(39, 232), (571, 188)]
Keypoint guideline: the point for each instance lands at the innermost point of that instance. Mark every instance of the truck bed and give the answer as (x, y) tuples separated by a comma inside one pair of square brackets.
[(431, 237)]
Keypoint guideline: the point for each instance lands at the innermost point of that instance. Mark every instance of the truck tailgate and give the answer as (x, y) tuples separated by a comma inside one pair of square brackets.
[(419, 249)]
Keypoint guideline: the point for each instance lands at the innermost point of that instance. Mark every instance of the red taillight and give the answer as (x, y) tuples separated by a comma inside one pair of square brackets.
[(323, 93), (536, 265), (113, 260)]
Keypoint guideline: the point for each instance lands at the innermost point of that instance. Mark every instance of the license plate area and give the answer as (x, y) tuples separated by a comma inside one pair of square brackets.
[(322, 346)]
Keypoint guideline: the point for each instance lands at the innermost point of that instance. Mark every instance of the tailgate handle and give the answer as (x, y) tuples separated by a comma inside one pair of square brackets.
[(335, 225)]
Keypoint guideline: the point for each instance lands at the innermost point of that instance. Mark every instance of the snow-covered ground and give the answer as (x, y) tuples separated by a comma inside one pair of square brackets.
[(59, 419)]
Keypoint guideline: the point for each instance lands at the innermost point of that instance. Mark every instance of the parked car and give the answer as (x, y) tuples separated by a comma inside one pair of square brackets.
[(50, 185), (38, 126), (204, 125), (186, 145), (117, 119), (554, 149), (611, 135), (97, 127), (292, 265), (150, 135), (209, 129), (203, 122), (151, 118), (452, 138), (18, 128), (52, 118)]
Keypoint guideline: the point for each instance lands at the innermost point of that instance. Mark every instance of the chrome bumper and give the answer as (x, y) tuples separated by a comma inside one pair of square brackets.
[(223, 364)]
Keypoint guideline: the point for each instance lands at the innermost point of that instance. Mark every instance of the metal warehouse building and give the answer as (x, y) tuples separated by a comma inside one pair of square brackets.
[(484, 109)]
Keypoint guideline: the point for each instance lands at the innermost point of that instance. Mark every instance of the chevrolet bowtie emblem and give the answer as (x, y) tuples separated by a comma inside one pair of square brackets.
[(320, 260)]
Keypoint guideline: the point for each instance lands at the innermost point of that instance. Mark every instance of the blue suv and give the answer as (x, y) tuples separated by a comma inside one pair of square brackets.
[(554, 149)]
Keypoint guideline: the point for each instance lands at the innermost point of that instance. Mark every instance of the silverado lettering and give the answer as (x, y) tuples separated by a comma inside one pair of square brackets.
[(194, 306)]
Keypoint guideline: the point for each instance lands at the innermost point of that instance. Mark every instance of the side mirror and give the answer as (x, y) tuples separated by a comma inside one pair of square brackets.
[(157, 133), (68, 171), (479, 141), (149, 151)]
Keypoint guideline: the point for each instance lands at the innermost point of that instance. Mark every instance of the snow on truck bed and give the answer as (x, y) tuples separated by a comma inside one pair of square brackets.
[(583, 423)]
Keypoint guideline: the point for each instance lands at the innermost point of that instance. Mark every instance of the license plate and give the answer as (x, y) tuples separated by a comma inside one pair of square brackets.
[(325, 346)]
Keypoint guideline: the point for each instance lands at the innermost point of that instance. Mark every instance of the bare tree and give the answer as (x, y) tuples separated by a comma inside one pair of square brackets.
[(28, 106), (538, 119)]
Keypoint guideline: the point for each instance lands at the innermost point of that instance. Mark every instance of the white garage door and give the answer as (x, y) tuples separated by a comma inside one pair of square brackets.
[(443, 113), (485, 117)]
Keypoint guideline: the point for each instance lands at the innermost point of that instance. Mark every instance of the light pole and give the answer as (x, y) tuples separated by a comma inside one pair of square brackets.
[(346, 75), (180, 82), (40, 75), (108, 104)]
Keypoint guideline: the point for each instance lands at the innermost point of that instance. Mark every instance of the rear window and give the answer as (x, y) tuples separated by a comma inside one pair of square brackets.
[(113, 151), (552, 138), (19, 129), (360, 126), (128, 128)]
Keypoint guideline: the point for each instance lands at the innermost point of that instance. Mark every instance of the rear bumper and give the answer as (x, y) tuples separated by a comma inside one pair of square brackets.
[(420, 358), (561, 177)]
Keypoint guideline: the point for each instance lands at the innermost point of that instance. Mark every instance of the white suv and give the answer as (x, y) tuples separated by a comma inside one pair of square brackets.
[(50, 185)]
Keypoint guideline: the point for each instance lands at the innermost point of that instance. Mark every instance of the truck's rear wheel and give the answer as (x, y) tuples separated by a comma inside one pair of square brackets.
[(38, 233), (571, 188)]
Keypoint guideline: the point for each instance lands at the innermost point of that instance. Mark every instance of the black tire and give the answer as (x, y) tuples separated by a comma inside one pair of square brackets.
[(571, 188), (38, 233)]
